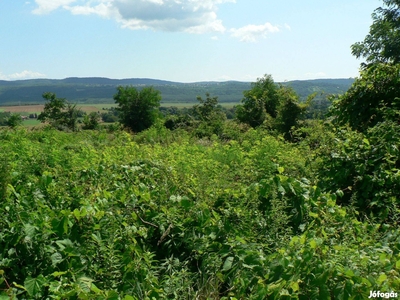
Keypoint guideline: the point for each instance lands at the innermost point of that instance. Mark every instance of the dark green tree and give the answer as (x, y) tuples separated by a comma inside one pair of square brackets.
[(373, 97), (59, 113), (382, 44), (207, 109), (280, 105), (4, 117), (210, 116), (91, 121), (260, 100), (290, 110), (14, 120), (252, 111), (138, 110)]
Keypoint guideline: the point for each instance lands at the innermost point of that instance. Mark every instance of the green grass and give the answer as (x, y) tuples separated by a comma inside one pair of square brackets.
[(98, 106), (31, 122), (191, 104)]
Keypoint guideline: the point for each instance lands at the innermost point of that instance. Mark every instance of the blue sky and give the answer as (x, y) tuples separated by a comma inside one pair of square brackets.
[(182, 40)]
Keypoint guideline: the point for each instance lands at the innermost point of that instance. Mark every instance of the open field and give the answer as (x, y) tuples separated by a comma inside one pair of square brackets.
[(26, 110), (31, 109), (22, 108)]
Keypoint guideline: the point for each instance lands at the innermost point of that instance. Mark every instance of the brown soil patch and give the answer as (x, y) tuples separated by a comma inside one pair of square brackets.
[(23, 108), (39, 108), (88, 108)]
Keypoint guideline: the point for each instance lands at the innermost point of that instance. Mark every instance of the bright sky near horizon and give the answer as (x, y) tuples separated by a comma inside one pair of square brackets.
[(182, 40)]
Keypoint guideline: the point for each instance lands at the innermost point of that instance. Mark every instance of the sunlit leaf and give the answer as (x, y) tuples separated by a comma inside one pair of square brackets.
[(228, 264)]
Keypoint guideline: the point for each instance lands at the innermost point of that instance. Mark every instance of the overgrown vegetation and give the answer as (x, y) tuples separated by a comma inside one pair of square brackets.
[(194, 206)]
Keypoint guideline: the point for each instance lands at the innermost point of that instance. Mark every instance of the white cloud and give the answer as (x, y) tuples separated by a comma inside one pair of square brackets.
[(22, 75), (102, 9), (192, 16), (252, 33), (47, 6), (287, 26)]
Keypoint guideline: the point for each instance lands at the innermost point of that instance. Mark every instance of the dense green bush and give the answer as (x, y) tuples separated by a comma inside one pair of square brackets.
[(373, 98), (137, 109), (100, 215), (365, 166)]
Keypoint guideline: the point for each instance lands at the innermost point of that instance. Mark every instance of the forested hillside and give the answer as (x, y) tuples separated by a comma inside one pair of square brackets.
[(101, 90)]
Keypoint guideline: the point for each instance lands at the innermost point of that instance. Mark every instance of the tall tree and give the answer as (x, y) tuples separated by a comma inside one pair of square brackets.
[(59, 113), (14, 120), (210, 115), (138, 109), (373, 98), (260, 100), (382, 44), (290, 110), (279, 104)]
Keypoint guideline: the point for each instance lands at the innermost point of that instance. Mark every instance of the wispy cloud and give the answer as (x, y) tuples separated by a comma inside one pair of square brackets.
[(193, 16), (252, 33), (22, 75), (47, 6)]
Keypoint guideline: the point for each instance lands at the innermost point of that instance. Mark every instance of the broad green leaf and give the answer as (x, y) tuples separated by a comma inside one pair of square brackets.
[(381, 278), (228, 264), (4, 296), (56, 258), (398, 264), (95, 289), (313, 244), (85, 283), (313, 215), (112, 295), (349, 273), (77, 214), (294, 286), (29, 230), (186, 203), (34, 286)]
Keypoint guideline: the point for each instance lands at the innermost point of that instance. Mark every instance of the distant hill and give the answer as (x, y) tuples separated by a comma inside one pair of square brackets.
[(101, 90)]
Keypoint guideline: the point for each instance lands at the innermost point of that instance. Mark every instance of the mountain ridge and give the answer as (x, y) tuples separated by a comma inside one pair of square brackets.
[(102, 89)]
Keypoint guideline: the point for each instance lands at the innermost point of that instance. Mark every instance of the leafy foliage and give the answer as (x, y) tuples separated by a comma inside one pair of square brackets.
[(261, 100), (210, 116), (14, 120), (382, 44), (94, 215), (372, 98), (91, 121), (59, 113), (290, 111), (278, 107), (365, 166), (138, 110)]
